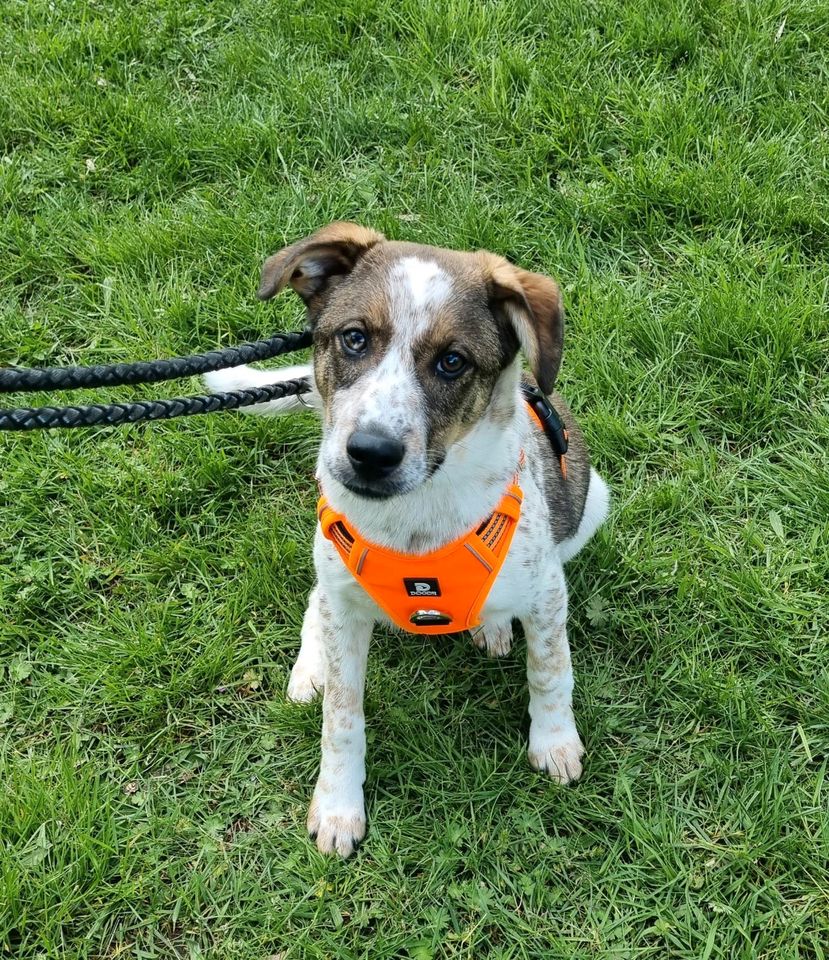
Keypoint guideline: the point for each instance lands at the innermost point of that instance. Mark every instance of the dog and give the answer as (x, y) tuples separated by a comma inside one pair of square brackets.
[(426, 431)]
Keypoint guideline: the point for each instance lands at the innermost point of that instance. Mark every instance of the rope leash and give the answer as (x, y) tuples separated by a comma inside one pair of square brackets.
[(28, 380), (113, 414), (153, 371)]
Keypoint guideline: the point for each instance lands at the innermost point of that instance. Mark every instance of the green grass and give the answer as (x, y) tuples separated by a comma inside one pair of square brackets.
[(668, 161)]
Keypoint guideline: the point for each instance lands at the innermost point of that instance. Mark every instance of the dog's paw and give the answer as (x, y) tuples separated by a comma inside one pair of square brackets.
[(336, 827), (494, 640), (306, 683), (559, 757)]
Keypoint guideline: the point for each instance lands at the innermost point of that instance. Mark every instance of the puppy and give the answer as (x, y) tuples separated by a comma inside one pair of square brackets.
[(417, 376)]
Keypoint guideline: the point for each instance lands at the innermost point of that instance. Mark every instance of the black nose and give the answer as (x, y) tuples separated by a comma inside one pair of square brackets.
[(373, 455)]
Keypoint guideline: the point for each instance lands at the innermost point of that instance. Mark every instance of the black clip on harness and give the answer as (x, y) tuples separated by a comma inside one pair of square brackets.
[(27, 380), (551, 421)]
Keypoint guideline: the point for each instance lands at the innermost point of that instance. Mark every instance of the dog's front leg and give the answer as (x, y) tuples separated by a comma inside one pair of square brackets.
[(555, 746), (308, 674), (337, 814)]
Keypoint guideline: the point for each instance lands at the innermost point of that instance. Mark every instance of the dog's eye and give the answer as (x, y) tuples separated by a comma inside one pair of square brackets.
[(354, 341), (451, 365)]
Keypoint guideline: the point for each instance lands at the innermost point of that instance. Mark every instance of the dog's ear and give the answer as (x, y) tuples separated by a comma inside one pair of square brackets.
[(532, 302), (308, 265)]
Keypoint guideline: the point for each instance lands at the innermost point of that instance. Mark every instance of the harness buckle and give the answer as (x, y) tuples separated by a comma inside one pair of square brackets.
[(430, 618), (550, 421)]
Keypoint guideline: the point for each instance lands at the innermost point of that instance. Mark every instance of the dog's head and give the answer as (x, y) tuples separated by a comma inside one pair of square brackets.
[(410, 343)]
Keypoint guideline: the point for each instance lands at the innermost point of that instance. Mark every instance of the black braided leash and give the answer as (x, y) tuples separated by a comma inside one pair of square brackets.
[(112, 414), (153, 371)]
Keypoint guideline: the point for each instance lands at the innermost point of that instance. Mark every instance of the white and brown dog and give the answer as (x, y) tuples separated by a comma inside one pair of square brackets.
[(417, 375)]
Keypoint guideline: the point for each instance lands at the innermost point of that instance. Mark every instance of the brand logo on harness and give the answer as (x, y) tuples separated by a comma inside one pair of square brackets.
[(421, 586)]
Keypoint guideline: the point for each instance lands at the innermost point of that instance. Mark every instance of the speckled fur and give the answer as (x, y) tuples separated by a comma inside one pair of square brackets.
[(463, 447)]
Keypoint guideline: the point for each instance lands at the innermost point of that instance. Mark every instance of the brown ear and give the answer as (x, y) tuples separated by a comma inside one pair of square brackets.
[(533, 304), (309, 264)]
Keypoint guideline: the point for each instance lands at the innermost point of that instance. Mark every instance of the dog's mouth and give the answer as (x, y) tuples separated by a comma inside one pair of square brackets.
[(391, 487), (370, 493)]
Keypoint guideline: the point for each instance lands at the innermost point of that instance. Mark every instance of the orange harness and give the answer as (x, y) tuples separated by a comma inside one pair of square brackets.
[(438, 592)]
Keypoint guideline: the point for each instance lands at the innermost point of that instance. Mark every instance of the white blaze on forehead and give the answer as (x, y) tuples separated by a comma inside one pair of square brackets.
[(417, 287)]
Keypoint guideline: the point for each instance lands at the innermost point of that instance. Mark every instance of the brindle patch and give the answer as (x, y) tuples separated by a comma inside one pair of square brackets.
[(488, 343), (353, 304)]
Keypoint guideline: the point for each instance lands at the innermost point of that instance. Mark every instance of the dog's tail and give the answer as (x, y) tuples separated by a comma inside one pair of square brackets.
[(243, 378)]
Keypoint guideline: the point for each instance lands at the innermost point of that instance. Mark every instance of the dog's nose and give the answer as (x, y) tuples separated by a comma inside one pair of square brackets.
[(373, 455)]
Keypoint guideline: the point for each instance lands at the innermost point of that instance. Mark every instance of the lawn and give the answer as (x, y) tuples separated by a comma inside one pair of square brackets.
[(668, 162)]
